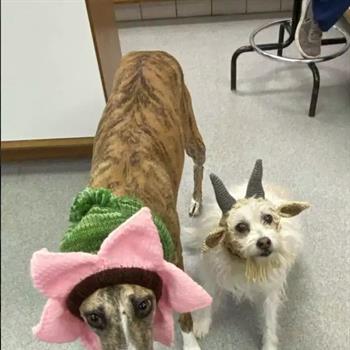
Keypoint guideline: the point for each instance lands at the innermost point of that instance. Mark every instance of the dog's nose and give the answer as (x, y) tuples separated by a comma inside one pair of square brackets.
[(264, 243)]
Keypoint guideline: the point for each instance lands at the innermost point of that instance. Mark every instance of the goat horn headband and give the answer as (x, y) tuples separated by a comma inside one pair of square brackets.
[(254, 189)]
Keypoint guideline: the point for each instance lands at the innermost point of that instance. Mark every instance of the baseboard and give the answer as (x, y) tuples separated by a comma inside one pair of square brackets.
[(140, 10), (46, 149)]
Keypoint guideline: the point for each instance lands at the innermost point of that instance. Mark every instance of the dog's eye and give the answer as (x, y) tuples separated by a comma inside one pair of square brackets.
[(242, 227), (142, 307), (267, 219), (96, 320)]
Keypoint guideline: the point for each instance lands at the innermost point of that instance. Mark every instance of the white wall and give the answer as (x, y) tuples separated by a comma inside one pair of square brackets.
[(50, 84)]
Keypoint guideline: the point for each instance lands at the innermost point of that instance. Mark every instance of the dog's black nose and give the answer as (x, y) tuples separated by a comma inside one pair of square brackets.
[(264, 243)]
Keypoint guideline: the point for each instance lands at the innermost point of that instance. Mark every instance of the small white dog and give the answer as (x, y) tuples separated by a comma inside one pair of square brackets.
[(246, 249)]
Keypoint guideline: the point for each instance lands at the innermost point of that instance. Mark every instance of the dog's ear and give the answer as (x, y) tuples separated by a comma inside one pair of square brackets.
[(290, 209), (215, 237)]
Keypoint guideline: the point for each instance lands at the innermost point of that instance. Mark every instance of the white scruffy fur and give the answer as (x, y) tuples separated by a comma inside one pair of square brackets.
[(217, 269)]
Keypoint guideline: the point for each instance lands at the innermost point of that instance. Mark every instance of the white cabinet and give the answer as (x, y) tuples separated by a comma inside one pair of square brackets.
[(51, 85)]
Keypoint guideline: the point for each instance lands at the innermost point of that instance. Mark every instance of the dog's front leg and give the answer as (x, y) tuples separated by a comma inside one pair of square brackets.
[(185, 320), (189, 340), (197, 324), (202, 321), (202, 318), (270, 309)]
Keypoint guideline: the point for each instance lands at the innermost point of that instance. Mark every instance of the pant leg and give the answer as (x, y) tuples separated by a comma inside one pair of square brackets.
[(327, 12)]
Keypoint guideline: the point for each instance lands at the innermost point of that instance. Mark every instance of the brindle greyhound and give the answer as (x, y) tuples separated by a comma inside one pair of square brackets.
[(139, 147)]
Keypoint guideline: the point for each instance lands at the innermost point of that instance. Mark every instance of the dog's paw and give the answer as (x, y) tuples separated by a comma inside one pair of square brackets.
[(269, 347), (270, 344), (190, 342), (195, 207), (201, 327)]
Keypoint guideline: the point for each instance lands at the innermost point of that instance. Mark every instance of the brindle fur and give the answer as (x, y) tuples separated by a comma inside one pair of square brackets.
[(115, 303), (139, 147)]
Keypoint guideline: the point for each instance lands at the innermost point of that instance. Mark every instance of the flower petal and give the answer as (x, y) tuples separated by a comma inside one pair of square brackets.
[(134, 243), (90, 340), (183, 293), (55, 274), (57, 324), (163, 324)]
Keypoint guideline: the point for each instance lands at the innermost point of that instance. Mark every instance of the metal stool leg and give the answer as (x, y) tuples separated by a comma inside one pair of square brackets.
[(290, 26), (280, 40), (234, 64), (315, 89), (249, 48)]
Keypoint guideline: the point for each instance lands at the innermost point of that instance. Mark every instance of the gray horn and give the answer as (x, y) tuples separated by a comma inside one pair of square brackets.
[(255, 188), (223, 197)]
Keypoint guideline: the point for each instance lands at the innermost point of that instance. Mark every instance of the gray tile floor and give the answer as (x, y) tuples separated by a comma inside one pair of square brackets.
[(267, 119)]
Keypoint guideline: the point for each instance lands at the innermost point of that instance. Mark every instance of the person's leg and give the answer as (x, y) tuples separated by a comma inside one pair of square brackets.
[(308, 34), (317, 16), (327, 12)]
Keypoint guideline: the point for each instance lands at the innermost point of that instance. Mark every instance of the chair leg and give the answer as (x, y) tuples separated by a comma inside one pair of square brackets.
[(290, 28), (315, 89), (243, 49), (234, 64), (280, 40)]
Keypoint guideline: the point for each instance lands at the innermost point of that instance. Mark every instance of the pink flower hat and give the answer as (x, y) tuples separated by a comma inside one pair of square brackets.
[(130, 254)]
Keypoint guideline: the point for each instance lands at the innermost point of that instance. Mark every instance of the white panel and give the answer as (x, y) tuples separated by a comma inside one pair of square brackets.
[(188, 8), (263, 5), (50, 84), (158, 9), (225, 7)]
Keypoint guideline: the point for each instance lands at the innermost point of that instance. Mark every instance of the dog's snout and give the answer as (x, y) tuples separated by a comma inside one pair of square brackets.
[(264, 243)]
